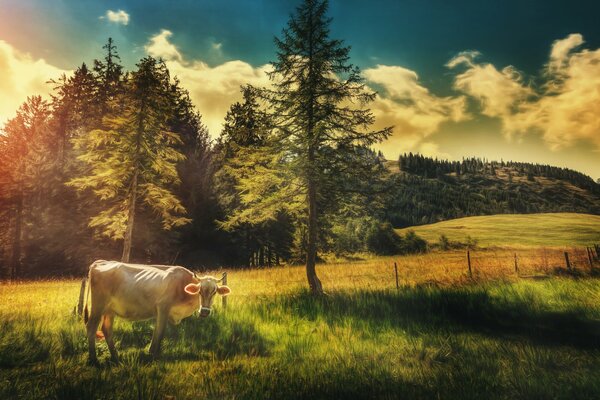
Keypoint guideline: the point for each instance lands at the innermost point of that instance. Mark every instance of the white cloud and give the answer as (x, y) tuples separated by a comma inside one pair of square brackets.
[(159, 46), (22, 76), (561, 49), (414, 112), (212, 89), (498, 91), (118, 17), (564, 109)]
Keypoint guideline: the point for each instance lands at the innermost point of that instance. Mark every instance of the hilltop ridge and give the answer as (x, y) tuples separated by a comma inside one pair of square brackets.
[(425, 190)]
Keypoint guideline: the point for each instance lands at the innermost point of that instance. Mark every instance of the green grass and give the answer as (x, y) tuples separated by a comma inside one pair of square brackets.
[(509, 230), (502, 340)]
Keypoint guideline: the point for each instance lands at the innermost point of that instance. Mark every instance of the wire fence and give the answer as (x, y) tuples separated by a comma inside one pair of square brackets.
[(435, 268)]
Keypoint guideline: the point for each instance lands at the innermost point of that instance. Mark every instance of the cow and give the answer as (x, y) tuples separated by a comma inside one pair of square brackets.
[(138, 292)]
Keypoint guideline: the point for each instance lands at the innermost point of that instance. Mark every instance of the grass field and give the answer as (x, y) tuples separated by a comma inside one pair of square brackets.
[(522, 230), (440, 335)]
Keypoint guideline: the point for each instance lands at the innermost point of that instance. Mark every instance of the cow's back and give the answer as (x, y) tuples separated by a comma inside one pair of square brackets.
[(135, 291)]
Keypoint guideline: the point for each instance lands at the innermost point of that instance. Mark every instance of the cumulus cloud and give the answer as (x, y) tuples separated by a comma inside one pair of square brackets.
[(559, 55), (212, 89), (498, 91), (160, 47), (22, 76), (411, 108), (564, 108), (118, 17)]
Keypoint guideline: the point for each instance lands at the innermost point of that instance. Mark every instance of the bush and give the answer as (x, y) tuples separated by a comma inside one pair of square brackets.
[(413, 243), (383, 240), (443, 242)]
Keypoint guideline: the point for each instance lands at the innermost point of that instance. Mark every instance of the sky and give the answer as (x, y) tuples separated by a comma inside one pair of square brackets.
[(511, 80)]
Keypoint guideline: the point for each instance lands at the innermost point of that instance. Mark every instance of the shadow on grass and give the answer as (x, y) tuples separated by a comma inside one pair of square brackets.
[(429, 309), (196, 339)]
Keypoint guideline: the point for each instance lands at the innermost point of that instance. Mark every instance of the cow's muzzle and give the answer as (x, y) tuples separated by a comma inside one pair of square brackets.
[(205, 311)]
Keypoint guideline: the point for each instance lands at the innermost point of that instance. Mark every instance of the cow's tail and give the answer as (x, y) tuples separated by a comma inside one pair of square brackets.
[(86, 313)]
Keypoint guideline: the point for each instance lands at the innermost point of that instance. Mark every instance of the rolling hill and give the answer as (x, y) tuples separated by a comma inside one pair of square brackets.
[(560, 229), (425, 190)]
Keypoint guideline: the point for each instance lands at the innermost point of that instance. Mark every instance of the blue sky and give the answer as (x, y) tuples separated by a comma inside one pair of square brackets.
[(476, 107)]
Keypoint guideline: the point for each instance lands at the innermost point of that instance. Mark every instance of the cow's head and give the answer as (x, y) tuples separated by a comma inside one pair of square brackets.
[(207, 288)]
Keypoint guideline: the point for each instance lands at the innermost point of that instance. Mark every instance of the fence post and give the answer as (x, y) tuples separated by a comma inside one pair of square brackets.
[(469, 263), (597, 251), (396, 269), (81, 297), (589, 254), (567, 261), (516, 265), (224, 298)]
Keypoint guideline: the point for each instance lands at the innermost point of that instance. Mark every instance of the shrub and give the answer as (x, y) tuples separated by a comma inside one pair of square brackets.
[(383, 240), (413, 243), (443, 242)]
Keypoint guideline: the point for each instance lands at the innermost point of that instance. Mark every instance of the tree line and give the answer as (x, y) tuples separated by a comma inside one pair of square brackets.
[(118, 164), (429, 190), (429, 167)]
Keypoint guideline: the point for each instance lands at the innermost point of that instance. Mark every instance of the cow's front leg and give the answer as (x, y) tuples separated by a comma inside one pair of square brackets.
[(159, 331)]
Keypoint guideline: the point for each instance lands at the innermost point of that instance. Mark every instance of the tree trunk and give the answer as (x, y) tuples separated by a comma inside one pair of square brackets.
[(15, 262), (261, 256), (311, 252), (130, 220)]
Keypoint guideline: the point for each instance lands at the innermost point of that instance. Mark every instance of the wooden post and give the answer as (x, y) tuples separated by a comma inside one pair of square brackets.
[(516, 265), (469, 263), (567, 261), (589, 254), (396, 269), (81, 297), (597, 251), (224, 298)]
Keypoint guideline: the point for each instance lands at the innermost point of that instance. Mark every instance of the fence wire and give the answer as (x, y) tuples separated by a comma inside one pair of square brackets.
[(516, 263)]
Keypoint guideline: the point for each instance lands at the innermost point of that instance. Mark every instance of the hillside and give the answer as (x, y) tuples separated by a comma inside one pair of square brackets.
[(561, 229), (425, 190)]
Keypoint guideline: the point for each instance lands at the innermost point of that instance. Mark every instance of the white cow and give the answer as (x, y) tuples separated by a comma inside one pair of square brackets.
[(138, 292)]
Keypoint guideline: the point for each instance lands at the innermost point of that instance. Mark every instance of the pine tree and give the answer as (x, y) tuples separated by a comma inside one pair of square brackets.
[(109, 77), (246, 131), (26, 163), (315, 105), (132, 158)]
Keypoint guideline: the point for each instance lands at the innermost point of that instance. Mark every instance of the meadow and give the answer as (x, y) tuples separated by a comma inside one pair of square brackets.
[(517, 230), (441, 334)]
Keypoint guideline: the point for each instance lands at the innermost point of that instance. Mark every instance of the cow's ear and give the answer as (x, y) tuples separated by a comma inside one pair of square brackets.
[(192, 288), (223, 290)]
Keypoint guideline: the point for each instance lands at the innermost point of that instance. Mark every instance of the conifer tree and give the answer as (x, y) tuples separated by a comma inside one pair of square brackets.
[(109, 77), (316, 104), (26, 160), (245, 133), (132, 158)]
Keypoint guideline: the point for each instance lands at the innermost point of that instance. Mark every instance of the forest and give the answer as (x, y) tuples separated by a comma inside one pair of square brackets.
[(428, 190), (117, 164)]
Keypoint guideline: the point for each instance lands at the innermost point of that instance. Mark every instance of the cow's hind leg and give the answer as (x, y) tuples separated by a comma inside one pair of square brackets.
[(159, 332), (91, 327), (107, 330)]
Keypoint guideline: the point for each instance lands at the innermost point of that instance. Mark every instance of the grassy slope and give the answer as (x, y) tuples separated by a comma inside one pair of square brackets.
[(560, 229), (516, 339)]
